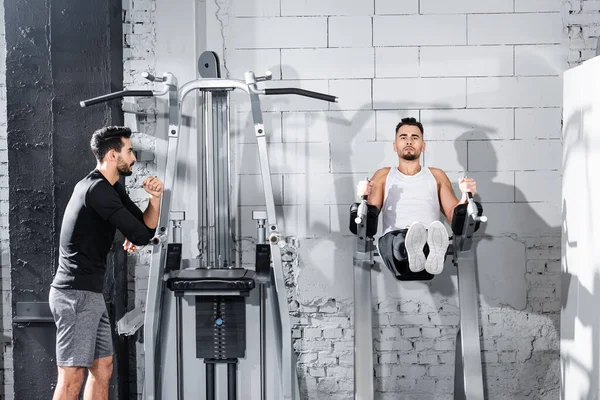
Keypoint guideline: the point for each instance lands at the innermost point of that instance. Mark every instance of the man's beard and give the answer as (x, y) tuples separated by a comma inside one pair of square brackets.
[(410, 157), (124, 169)]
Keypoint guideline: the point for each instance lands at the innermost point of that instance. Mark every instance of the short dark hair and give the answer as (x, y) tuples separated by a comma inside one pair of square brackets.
[(108, 138), (412, 122)]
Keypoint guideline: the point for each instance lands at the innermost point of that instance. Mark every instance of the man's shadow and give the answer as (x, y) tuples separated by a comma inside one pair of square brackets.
[(507, 270), (513, 223)]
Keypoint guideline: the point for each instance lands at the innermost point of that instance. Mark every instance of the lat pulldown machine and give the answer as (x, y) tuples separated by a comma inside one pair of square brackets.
[(214, 286), (468, 377)]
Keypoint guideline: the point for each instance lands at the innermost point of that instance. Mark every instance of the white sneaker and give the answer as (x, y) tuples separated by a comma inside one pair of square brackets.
[(438, 241), (415, 240)]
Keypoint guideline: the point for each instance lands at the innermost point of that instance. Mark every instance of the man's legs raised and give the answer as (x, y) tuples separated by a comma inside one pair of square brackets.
[(438, 241), (415, 240)]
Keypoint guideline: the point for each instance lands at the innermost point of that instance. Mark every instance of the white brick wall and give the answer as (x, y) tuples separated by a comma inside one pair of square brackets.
[(383, 7), (485, 79), (540, 60), (525, 28), (538, 123), (466, 61), (332, 7), (496, 123), (531, 91), (361, 26), (394, 62), (466, 6), (514, 155), (344, 63), (422, 93), (419, 30), (306, 32)]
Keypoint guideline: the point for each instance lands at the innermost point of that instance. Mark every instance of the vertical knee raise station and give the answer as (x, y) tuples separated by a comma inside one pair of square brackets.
[(468, 377), (213, 288)]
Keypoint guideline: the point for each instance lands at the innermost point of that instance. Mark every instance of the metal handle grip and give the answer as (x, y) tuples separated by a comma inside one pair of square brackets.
[(362, 210), (116, 95), (301, 92), (148, 76), (472, 209), (158, 239)]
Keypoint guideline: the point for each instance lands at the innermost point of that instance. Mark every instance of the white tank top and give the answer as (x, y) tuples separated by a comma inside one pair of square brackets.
[(409, 198)]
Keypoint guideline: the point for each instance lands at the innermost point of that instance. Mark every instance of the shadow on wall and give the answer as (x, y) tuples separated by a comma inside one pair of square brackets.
[(506, 279), (579, 317)]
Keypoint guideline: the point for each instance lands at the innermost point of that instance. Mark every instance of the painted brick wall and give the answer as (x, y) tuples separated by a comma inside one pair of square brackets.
[(583, 28), (139, 56)]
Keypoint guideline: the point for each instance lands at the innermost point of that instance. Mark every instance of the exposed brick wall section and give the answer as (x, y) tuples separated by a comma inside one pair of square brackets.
[(139, 56), (582, 24)]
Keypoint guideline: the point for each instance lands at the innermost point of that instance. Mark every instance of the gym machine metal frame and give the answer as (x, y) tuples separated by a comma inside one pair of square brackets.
[(363, 333), (268, 229), (468, 377)]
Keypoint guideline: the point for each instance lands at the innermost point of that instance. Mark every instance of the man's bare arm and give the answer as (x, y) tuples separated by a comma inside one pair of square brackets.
[(378, 188), (447, 198)]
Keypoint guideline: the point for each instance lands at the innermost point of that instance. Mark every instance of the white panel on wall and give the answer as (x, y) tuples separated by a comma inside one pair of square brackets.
[(580, 270)]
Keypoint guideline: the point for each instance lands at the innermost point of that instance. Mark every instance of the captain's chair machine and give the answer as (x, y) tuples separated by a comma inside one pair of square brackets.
[(216, 284), (468, 377)]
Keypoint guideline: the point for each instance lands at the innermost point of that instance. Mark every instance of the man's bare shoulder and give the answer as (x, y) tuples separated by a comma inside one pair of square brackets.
[(438, 174), (382, 171), (380, 175), (437, 171)]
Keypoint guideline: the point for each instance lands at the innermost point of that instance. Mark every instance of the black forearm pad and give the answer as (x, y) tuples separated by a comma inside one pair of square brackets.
[(460, 213), (372, 218)]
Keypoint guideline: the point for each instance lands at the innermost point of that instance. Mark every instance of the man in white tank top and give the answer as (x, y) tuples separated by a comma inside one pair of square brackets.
[(411, 197)]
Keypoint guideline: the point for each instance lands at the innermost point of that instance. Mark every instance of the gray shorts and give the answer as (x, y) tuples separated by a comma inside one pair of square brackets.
[(83, 331)]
